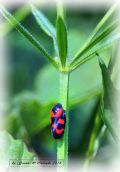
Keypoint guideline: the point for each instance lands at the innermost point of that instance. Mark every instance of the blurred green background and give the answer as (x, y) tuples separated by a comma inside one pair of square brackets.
[(34, 87)]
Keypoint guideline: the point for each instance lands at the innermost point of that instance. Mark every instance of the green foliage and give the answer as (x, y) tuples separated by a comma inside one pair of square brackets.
[(48, 79), (29, 116), (100, 26), (98, 48), (108, 114), (43, 22), (31, 110), (97, 134), (97, 37), (62, 40), (45, 25), (20, 14), (34, 115), (13, 149), (26, 34), (95, 43), (14, 124)]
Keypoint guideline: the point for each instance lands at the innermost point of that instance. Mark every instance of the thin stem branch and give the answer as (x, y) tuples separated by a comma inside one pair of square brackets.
[(96, 138), (86, 165), (62, 144)]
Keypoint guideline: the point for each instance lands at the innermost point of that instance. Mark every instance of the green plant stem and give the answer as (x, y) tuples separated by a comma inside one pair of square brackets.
[(97, 136), (86, 165), (93, 147), (62, 144)]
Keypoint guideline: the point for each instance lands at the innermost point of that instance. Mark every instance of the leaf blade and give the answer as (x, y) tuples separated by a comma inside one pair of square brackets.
[(45, 25), (106, 44), (62, 40), (26, 34), (97, 134), (102, 22), (19, 14), (108, 103), (95, 41), (13, 149), (43, 22)]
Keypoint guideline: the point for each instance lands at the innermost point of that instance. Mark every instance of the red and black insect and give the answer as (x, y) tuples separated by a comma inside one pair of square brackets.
[(58, 120)]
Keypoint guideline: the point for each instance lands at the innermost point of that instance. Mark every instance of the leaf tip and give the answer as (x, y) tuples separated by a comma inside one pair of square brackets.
[(99, 59)]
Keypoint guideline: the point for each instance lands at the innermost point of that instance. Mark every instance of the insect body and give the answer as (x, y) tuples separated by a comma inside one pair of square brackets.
[(58, 120)]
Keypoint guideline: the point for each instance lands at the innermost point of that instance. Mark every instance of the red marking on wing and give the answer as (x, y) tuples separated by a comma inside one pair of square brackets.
[(61, 121), (52, 114), (59, 113), (59, 131)]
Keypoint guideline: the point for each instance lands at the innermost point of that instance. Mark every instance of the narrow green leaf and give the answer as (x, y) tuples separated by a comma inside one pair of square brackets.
[(99, 48), (109, 90), (26, 34), (113, 59), (109, 112), (97, 135), (43, 22), (106, 32), (99, 27), (20, 14), (45, 25), (61, 40), (102, 23)]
